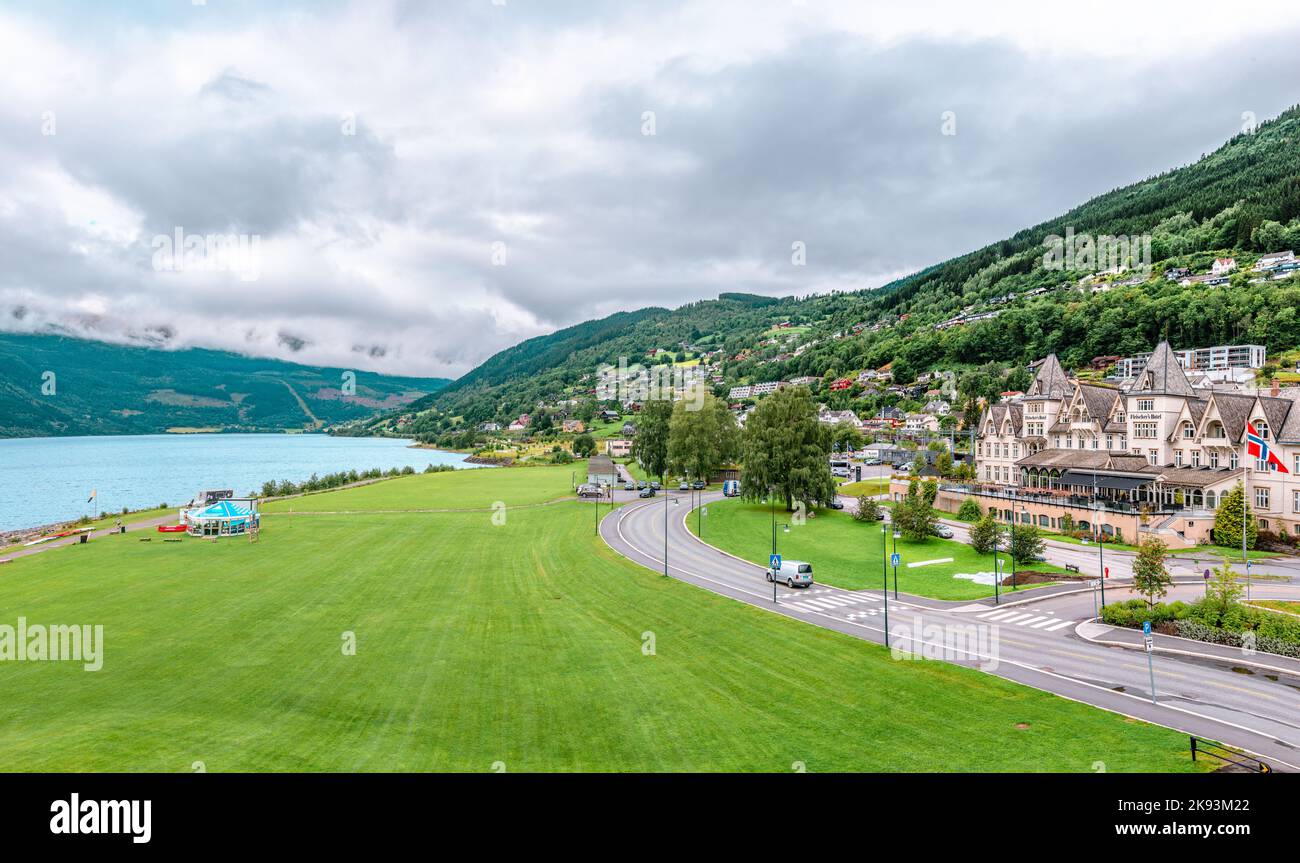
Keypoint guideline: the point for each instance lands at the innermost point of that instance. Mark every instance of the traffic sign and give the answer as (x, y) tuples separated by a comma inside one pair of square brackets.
[(1207, 575), (895, 559), (1146, 628), (1150, 645), (774, 562)]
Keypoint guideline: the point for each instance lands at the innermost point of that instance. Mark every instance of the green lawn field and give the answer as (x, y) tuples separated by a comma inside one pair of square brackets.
[(847, 553), (524, 643), (462, 489), (871, 487)]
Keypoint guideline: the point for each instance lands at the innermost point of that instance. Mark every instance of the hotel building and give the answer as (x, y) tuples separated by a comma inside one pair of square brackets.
[(1153, 457)]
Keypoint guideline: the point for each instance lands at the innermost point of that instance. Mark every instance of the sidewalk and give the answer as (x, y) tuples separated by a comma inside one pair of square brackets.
[(1132, 639)]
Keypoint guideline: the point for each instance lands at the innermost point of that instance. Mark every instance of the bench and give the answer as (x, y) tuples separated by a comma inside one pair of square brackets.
[(1070, 567)]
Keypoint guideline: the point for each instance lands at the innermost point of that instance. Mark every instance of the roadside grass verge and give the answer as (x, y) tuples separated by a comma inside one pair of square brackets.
[(846, 553)]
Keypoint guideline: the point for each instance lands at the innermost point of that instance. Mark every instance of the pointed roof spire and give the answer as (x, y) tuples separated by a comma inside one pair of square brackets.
[(1164, 374), (1051, 381)]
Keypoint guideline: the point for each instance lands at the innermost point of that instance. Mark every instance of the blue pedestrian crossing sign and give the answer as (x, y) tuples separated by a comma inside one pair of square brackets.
[(895, 559), (774, 562)]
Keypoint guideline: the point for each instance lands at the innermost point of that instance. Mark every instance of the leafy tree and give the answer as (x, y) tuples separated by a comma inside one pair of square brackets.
[(969, 510), (1228, 520), (728, 443), (868, 509), (695, 439), (943, 463), (584, 445), (1067, 523), (787, 450), (1223, 591), (1026, 543), (650, 446), (914, 514), (1150, 578), (984, 534)]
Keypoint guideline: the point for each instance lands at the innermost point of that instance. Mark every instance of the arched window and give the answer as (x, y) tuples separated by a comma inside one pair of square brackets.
[(1215, 429), (1209, 500)]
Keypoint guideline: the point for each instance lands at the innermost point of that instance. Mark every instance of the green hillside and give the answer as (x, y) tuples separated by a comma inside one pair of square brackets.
[(1240, 201), (52, 385)]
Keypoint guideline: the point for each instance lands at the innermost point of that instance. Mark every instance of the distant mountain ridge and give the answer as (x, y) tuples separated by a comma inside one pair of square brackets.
[(56, 385), (1242, 199)]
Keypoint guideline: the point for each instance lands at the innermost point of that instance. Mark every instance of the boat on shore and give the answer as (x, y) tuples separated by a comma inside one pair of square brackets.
[(61, 535)]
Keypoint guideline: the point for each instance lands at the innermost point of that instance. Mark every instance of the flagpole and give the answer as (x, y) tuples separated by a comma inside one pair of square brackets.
[(1245, 506)]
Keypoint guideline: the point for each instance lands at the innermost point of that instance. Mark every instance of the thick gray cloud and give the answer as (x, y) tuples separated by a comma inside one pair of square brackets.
[(429, 184)]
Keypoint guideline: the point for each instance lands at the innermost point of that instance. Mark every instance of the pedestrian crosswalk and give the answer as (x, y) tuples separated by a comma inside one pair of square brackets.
[(1046, 622), (860, 605)]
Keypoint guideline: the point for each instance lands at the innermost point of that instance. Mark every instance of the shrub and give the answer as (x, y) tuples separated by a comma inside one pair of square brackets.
[(868, 509), (969, 510)]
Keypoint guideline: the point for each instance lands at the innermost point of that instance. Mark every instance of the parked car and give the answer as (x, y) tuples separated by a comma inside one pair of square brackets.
[(903, 468), (836, 504), (942, 531), (698, 484), (683, 486), (629, 486), (588, 490), (647, 492), (654, 484), (793, 573), (642, 484)]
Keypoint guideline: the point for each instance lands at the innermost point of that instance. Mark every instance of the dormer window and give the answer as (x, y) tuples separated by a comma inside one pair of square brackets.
[(1189, 431), (1262, 428)]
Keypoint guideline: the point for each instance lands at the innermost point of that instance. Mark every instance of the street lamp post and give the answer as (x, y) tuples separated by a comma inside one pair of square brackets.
[(662, 482), (1101, 554), (997, 570), (884, 571)]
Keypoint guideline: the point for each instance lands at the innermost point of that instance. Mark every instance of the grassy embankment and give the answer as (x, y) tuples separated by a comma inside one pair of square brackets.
[(479, 641)]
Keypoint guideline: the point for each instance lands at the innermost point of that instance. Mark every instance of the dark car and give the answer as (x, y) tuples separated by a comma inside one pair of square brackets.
[(655, 485), (698, 484), (629, 486), (642, 484), (835, 504), (647, 492)]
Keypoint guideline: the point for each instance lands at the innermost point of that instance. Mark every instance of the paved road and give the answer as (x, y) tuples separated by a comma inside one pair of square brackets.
[(1032, 642)]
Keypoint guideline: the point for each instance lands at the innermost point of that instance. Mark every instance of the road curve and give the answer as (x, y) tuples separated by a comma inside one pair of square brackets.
[(1034, 644)]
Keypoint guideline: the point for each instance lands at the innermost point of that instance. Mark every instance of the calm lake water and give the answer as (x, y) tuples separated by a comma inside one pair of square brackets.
[(44, 480)]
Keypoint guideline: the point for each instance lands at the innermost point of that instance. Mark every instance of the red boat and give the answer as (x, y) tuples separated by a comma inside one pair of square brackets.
[(171, 528)]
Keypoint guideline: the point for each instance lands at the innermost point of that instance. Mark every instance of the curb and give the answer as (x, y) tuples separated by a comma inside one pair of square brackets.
[(1158, 649)]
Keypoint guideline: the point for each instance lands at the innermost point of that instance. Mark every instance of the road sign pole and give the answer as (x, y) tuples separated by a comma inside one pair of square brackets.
[(884, 572), (774, 567), (894, 559), (1150, 646)]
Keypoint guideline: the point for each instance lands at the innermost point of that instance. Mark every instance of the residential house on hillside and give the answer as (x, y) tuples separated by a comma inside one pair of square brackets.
[(618, 448), (521, 423), (1223, 266), (573, 426), (1274, 260)]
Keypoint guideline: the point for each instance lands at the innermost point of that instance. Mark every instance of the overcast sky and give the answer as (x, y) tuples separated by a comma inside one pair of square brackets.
[(430, 182)]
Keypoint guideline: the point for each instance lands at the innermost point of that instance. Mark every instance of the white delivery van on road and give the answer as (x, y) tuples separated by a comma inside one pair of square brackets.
[(793, 573)]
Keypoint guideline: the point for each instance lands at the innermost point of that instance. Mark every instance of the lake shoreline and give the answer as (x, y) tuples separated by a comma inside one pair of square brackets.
[(47, 483)]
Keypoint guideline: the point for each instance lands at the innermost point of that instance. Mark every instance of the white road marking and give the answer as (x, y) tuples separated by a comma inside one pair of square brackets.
[(1030, 620), (1045, 622), (1059, 625), (1015, 617)]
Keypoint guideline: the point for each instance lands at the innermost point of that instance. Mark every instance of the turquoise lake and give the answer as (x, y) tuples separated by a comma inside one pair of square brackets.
[(45, 480)]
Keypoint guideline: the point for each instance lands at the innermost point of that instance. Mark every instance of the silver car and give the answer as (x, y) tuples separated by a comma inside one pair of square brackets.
[(793, 573)]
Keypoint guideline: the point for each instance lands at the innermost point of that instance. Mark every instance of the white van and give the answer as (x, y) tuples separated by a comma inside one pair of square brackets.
[(793, 573)]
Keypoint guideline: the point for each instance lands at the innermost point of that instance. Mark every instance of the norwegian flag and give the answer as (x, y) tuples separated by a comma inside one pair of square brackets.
[(1258, 447)]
